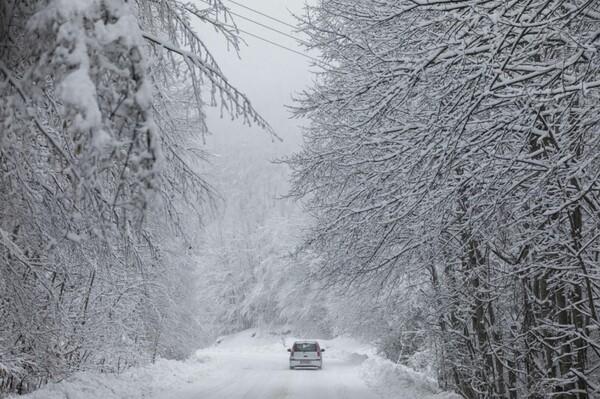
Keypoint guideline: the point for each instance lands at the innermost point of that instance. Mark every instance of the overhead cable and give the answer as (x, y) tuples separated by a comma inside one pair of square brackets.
[(263, 25), (264, 15), (273, 29), (268, 27), (282, 46)]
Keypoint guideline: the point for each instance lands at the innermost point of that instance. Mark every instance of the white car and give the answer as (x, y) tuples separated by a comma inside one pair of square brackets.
[(306, 354)]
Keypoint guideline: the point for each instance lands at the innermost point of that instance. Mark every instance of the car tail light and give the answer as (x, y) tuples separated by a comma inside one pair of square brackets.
[(318, 352), (292, 353)]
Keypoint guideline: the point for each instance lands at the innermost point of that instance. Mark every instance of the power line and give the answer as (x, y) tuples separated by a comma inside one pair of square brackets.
[(268, 27), (280, 45), (264, 15), (263, 25)]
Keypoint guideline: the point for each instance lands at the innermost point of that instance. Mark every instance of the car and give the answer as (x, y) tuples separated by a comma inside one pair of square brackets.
[(306, 354)]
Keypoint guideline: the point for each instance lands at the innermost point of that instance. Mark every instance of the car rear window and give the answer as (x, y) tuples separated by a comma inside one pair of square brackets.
[(305, 347)]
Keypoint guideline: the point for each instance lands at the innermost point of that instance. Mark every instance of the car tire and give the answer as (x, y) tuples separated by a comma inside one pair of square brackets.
[(291, 367)]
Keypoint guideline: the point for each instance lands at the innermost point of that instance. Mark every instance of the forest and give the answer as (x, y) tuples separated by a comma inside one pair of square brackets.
[(102, 193), (453, 157), (444, 205)]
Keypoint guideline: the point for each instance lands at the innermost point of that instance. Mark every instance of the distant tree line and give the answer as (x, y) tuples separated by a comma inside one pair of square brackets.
[(250, 276)]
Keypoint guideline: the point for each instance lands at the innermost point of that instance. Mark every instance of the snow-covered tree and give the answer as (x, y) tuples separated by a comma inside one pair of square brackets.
[(459, 140), (101, 110)]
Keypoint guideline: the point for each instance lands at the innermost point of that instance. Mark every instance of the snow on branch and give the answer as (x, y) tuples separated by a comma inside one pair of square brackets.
[(184, 42)]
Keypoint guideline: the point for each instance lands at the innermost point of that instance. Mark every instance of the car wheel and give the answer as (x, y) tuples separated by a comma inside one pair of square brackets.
[(291, 367)]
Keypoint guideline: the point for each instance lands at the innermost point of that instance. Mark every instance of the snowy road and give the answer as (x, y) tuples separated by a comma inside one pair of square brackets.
[(267, 376), (254, 364)]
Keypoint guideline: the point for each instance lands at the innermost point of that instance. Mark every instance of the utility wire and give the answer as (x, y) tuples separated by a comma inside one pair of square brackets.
[(273, 29), (263, 25), (282, 46), (264, 15), (268, 27)]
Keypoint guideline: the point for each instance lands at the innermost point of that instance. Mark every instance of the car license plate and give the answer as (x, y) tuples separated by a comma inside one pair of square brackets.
[(304, 361)]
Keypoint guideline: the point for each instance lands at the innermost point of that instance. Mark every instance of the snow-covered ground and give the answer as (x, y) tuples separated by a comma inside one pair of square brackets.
[(254, 364)]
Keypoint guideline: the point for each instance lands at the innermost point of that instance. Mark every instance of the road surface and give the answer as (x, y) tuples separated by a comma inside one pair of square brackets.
[(267, 375)]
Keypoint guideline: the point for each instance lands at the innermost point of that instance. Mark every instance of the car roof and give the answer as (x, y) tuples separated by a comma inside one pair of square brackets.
[(306, 342)]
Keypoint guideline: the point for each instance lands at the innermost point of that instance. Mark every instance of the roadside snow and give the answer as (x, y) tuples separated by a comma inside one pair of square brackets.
[(383, 377), (138, 382), (391, 380)]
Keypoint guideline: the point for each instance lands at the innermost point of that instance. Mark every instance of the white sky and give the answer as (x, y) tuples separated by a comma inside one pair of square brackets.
[(268, 75)]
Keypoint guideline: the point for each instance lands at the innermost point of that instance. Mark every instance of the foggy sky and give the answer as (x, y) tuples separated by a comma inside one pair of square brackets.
[(268, 75)]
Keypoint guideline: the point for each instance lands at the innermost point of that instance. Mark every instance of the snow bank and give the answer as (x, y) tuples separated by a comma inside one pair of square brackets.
[(138, 382), (276, 340), (392, 380), (254, 340), (387, 379)]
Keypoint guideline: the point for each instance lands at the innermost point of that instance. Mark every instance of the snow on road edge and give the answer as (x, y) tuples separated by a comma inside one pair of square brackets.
[(391, 380), (135, 383), (387, 379)]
